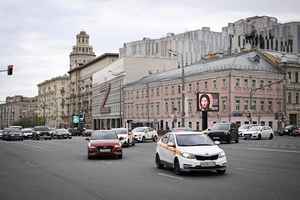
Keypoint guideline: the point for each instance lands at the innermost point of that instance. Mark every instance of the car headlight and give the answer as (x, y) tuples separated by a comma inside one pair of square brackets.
[(91, 146), (118, 145), (221, 154), (187, 155)]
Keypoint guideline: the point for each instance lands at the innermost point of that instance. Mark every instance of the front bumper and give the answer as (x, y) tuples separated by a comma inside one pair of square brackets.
[(198, 165), (95, 153)]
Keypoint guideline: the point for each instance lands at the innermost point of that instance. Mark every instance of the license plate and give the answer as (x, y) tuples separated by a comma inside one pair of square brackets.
[(104, 150), (216, 137), (208, 164)]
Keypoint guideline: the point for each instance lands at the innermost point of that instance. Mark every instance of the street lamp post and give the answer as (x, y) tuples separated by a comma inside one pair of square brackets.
[(175, 53)]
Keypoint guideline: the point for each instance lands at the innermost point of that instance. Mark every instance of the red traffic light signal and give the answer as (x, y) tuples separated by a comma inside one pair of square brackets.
[(10, 70)]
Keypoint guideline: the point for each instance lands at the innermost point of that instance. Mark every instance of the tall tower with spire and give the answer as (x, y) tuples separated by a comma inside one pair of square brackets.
[(82, 52)]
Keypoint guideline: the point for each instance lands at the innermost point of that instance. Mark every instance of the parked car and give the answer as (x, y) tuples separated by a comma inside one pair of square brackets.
[(76, 131), (87, 132), (259, 132), (104, 143), (1, 134), (62, 134), (288, 130), (141, 134), (126, 138), (244, 128), (12, 134), (296, 132), (27, 133), (224, 132), (41, 132), (189, 151)]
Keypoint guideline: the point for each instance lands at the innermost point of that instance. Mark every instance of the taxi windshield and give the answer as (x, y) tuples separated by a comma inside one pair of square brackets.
[(193, 140)]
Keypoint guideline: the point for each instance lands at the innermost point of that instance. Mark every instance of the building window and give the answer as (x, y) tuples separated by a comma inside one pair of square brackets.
[(269, 84), (246, 83), (296, 77), (190, 87), (290, 75), (190, 107), (173, 89), (205, 84), (166, 90), (246, 105), (237, 105), (262, 105), (254, 105), (224, 83), (198, 86), (157, 109), (152, 91), (137, 94), (297, 98), (270, 106), (167, 107), (289, 98), (198, 126), (215, 84), (253, 83), (224, 105), (179, 89), (262, 84), (179, 106), (157, 91), (178, 124), (173, 106), (237, 83), (190, 124)]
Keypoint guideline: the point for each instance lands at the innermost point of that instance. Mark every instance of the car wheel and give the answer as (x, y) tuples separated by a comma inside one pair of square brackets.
[(271, 136), (237, 139), (133, 143), (177, 169), (228, 140), (120, 156), (259, 137), (143, 139), (221, 171), (90, 157), (155, 138), (158, 162)]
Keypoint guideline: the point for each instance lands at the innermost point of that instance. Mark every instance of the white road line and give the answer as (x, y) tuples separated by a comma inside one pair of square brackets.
[(273, 150), (170, 176)]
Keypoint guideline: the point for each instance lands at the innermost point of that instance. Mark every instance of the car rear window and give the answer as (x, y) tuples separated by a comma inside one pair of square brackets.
[(104, 135)]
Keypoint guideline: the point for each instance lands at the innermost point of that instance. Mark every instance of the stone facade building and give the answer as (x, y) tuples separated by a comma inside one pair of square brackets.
[(264, 32), (107, 98), (155, 100), (16, 108), (53, 101), (83, 63), (190, 46), (290, 65)]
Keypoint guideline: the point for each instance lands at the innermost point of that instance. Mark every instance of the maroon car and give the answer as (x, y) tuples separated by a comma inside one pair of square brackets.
[(296, 132), (104, 143)]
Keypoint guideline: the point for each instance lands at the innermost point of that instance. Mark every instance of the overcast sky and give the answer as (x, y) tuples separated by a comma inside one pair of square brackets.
[(37, 36)]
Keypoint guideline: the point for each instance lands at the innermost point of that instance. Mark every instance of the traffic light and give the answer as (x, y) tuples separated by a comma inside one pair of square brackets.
[(10, 70)]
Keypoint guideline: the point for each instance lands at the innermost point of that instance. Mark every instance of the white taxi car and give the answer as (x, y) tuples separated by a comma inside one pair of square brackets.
[(189, 151), (259, 132), (144, 133), (125, 137)]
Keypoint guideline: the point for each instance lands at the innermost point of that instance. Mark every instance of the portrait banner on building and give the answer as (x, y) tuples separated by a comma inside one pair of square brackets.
[(208, 102)]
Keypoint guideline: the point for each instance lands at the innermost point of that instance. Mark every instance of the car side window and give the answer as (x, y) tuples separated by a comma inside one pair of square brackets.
[(165, 138), (171, 139)]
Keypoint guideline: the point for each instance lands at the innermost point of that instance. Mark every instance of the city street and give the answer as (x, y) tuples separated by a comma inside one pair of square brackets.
[(59, 169)]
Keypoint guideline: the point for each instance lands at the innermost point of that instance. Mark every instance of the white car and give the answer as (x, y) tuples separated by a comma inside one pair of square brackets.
[(144, 133), (244, 128), (27, 132), (126, 138), (190, 151), (259, 132)]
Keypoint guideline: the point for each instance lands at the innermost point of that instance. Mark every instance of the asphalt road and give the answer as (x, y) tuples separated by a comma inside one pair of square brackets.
[(59, 169)]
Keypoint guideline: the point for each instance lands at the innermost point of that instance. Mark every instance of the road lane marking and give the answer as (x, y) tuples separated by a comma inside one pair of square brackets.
[(170, 176), (273, 150)]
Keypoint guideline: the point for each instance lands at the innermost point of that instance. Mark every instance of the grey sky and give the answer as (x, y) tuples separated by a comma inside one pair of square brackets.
[(37, 36)]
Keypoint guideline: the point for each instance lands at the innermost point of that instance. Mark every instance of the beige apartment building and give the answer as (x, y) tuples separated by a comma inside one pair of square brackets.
[(53, 101), (16, 108), (156, 100)]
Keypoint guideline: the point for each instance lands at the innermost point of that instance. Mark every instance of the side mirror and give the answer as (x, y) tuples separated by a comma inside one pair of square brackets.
[(171, 144), (87, 139), (217, 142)]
